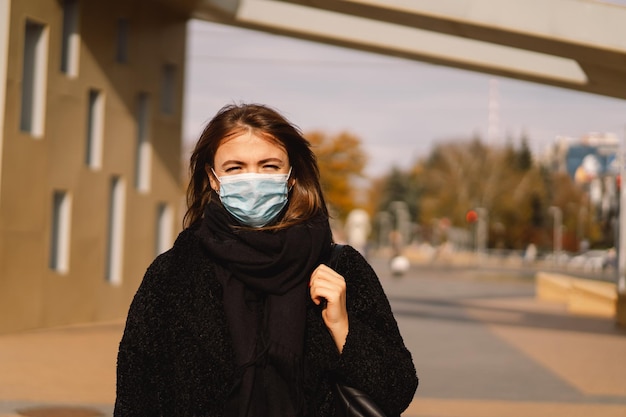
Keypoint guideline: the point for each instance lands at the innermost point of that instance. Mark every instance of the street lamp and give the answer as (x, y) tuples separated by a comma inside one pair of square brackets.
[(384, 228), (481, 230), (557, 237), (582, 219), (403, 221)]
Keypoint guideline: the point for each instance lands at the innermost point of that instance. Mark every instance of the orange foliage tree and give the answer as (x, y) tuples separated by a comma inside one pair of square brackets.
[(341, 160)]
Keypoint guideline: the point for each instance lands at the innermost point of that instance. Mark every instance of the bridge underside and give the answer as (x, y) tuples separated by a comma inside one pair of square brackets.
[(575, 44)]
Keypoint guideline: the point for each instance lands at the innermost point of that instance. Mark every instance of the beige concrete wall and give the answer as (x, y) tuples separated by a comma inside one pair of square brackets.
[(31, 294), (580, 295)]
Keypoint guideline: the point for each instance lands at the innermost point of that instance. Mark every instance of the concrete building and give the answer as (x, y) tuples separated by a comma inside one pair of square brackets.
[(90, 124)]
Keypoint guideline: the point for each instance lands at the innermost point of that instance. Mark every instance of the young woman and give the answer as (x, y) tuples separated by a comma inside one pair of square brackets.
[(242, 317)]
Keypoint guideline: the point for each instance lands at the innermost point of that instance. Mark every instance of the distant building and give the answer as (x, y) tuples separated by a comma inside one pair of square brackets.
[(90, 138), (594, 156), (592, 162)]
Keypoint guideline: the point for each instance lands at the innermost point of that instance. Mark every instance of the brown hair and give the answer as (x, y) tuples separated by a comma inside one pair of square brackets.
[(305, 198)]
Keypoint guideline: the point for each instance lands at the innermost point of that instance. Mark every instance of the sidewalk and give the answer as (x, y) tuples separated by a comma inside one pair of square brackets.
[(64, 367), (481, 350), (485, 346)]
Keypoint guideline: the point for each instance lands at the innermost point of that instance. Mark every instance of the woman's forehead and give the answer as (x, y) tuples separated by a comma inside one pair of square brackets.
[(247, 146), (250, 138)]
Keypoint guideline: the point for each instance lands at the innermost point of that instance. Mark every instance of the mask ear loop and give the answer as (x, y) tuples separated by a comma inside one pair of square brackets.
[(218, 180), (288, 176)]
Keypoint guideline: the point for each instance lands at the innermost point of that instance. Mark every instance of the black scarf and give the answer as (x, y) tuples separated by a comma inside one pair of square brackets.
[(265, 277)]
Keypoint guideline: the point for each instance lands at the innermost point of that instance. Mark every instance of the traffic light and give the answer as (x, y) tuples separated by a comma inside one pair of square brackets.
[(471, 216)]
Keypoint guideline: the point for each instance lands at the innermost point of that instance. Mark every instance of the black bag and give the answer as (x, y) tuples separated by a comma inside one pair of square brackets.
[(353, 402)]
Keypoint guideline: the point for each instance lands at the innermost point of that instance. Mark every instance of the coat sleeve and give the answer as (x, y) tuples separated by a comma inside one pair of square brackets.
[(137, 389), (374, 358)]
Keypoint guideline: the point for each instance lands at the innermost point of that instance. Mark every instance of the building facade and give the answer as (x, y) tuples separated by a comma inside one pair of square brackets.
[(592, 162), (90, 139)]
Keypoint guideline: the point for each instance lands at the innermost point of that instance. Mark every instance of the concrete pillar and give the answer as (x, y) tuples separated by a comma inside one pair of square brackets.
[(620, 310)]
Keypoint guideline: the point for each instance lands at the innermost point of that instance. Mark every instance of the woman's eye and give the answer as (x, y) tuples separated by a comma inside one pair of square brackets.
[(271, 167), (232, 169)]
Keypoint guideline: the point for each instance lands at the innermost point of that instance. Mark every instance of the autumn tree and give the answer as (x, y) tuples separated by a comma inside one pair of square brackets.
[(515, 192), (341, 160), (454, 179), (461, 176)]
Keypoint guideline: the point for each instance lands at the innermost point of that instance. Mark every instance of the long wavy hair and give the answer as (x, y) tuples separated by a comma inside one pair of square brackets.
[(305, 197)]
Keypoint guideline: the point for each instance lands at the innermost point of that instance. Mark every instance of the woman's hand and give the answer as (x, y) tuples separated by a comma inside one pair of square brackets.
[(330, 287)]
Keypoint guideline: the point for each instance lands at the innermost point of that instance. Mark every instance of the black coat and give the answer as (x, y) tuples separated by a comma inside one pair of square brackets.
[(176, 356)]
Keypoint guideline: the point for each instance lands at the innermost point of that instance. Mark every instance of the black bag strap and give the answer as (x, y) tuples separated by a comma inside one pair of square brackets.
[(351, 401), (335, 251)]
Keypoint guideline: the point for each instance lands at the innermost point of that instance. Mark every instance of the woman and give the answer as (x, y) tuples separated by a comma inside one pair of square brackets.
[(241, 317)]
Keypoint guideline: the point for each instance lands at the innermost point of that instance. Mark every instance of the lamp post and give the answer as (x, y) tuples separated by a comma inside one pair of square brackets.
[(582, 218), (557, 237), (481, 230), (384, 228), (403, 221)]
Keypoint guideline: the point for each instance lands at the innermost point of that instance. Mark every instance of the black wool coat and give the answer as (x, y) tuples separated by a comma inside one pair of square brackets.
[(176, 355)]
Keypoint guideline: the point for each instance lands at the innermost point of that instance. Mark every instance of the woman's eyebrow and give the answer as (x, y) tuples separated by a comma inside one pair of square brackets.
[(265, 161), (261, 162), (233, 162)]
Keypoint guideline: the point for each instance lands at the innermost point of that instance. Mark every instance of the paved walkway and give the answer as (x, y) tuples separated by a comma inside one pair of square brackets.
[(485, 347), (482, 344)]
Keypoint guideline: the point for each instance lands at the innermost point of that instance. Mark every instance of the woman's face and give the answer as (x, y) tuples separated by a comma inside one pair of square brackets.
[(248, 153)]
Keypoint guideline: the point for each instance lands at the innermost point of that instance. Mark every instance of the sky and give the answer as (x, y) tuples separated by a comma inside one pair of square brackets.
[(398, 108)]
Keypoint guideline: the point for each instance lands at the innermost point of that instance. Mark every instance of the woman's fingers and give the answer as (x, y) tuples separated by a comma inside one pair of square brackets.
[(330, 287), (327, 284)]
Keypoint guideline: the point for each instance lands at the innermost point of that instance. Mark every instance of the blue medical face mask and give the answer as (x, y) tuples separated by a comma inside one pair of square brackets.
[(254, 199)]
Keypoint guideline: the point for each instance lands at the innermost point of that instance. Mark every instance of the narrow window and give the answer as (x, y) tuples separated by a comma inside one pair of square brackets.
[(143, 152), (70, 39), (122, 40), (95, 129), (115, 241), (165, 222), (168, 89), (34, 78), (60, 233)]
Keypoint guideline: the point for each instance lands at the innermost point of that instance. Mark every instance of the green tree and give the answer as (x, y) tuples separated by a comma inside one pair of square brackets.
[(399, 185), (519, 159)]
